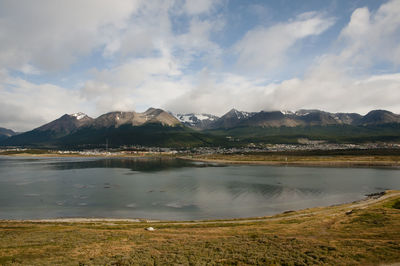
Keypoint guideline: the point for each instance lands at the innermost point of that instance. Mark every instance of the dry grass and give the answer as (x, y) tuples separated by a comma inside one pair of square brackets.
[(369, 234)]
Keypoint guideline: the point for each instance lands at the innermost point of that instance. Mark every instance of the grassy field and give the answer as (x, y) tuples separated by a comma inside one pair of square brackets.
[(361, 233)]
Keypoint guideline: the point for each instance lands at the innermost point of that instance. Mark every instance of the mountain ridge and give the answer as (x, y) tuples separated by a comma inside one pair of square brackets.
[(6, 133), (303, 117), (162, 128)]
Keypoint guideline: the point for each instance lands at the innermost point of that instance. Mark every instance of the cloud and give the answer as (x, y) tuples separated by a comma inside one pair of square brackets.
[(340, 81), (325, 90), (51, 35), (336, 93), (217, 93), (195, 7), (372, 38), (25, 105), (169, 54), (139, 82), (148, 30), (153, 60), (263, 49)]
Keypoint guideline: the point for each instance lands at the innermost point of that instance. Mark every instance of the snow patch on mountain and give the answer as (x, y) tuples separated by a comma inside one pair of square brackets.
[(286, 112), (79, 115), (195, 119), (241, 114)]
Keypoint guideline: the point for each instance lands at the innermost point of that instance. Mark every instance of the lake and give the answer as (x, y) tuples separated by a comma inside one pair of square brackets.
[(173, 189)]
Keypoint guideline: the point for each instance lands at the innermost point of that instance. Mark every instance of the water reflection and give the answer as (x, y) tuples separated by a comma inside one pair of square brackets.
[(161, 188), (144, 164)]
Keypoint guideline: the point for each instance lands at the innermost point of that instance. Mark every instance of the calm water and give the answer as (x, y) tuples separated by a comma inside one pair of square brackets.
[(174, 189)]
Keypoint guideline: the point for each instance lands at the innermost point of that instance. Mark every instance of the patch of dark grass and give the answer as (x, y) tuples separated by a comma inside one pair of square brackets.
[(371, 219), (291, 221), (396, 204)]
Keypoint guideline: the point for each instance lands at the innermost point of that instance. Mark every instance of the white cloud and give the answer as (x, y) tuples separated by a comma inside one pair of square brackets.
[(52, 34), (24, 105), (369, 39), (194, 7), (139, 82), (337, 93), (148, 31), (338, 81), (195, 44), (262, 48), (326, 90), (217, 93), (150, 63)]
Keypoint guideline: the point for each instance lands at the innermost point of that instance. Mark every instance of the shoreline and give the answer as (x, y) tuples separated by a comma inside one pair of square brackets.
[(319, 161), (367, 200), (364, 232), (328, 163)]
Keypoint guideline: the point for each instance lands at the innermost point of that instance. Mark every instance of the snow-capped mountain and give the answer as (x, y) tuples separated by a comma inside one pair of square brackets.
[(152, 115), (231, 119), (79, 115), (198, 121), (157, 127)]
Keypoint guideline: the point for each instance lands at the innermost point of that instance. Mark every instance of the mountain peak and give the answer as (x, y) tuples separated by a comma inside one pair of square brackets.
[(5, 133), (380, 117), (79, 115), (234, 111), (303, 112), (151, 109), (196, 120), (286, 112)]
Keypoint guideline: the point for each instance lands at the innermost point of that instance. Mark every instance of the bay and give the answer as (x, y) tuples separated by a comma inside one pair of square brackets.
[(174, 189)]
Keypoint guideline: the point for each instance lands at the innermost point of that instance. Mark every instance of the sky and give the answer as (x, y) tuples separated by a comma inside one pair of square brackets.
[(202, 56)]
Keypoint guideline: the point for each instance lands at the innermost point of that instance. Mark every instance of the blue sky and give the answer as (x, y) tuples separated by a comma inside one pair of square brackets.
[(208, 56)]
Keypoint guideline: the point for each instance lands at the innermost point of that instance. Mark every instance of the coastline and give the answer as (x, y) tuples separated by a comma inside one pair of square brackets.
[(366, 201), (364, 232), (327, 163), (321, 161)]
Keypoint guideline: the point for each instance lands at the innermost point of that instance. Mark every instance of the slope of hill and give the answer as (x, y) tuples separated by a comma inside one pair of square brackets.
[(6, 133), (378, 117), (150, 134), (49, 132)]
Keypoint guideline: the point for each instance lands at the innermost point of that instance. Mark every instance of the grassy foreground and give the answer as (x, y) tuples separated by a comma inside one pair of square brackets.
[(364, 233)]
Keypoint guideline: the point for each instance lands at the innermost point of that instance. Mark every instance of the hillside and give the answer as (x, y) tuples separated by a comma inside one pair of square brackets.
[(151, 134), (6, 133)]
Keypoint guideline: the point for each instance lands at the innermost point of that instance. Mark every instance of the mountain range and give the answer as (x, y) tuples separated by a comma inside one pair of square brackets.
[(235, 118), (156, 127)]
